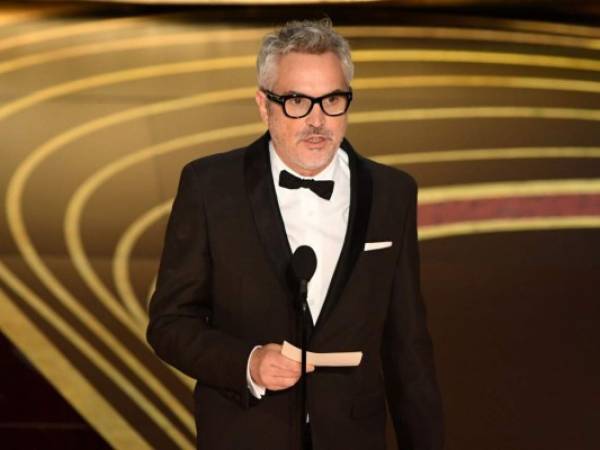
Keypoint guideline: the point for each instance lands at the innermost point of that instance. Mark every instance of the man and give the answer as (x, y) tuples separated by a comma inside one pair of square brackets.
[(224, 301)]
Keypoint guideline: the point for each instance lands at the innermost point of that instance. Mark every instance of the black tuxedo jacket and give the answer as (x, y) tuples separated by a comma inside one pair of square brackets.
[(223, 287)]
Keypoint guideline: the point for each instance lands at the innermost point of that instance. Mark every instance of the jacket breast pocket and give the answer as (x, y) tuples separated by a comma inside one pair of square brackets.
[(368, 405)]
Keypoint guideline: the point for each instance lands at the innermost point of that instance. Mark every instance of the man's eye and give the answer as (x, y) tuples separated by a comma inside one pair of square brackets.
[(297, 100), (332, 99)]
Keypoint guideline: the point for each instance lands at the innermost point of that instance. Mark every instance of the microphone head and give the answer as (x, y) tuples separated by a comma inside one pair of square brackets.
[(304, 263)]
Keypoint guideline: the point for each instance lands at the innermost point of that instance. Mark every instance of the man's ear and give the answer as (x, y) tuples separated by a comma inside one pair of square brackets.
[(261, 101)]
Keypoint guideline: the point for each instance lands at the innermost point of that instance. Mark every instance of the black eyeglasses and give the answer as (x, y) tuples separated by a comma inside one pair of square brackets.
[(296, 106)]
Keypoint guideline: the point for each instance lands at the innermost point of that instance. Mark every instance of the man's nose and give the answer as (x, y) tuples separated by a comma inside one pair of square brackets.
[(316, 117)]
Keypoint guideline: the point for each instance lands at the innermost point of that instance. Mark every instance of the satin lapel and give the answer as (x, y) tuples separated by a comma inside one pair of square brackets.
[(361, 191), (263, 201)]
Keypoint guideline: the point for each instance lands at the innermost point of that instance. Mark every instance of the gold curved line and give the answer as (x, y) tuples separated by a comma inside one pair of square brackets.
[(509, 82), (533, 28), (195, 38), (444, 32), (545, 27), (469, 34), (509, 188), (248, 61), (130, 44), (488, 154), (62, 31), (151, 288), (128, 240), (122, 76), (85, 191), (33, 259), (66, 379), (526, 25), (507, 225), (119, 349), (93, 355), (10, 16), (475, 112), (81, 196), (30, 255), (121, 260), (23, 242), (476, 57), (79, 199)]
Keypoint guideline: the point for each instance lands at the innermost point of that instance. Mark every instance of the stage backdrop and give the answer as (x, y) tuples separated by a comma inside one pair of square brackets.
[(498, 118)]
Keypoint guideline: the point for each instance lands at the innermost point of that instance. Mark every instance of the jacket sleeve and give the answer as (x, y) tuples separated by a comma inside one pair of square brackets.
[(413, 395), (180, 329)]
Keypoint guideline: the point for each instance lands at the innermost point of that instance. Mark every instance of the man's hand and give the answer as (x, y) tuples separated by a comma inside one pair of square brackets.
[(269, 368)]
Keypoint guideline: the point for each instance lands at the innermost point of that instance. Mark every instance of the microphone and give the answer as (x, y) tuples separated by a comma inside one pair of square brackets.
[(304, 263)]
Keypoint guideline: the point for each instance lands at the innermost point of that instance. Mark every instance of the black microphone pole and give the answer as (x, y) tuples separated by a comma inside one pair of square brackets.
[(303, 324), (304, 263)]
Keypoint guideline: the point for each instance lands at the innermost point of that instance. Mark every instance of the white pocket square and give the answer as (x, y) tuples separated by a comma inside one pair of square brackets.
[(377, 245)]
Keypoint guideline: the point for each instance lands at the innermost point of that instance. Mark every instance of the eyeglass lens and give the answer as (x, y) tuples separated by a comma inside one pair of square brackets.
[(334, 104)]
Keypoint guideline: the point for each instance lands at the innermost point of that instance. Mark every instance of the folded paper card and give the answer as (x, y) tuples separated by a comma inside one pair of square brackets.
[(339, 359)]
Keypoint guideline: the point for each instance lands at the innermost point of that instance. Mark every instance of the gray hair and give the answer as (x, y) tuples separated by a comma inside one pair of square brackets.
[(307, 36)]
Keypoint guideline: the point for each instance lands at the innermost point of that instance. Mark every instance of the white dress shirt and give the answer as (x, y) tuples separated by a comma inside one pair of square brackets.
[(316, 222)]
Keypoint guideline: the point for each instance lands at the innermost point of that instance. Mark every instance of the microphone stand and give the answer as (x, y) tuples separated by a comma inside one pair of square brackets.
[(303, 338), (303, 265)]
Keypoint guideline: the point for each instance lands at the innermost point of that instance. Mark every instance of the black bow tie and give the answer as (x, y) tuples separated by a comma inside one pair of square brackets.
[(323, 188)]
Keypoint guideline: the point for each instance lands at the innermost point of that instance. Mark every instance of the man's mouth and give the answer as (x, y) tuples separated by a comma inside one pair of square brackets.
[(315, 139)]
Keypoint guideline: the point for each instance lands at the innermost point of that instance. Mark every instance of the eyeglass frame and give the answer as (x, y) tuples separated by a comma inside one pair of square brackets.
[(281, 99)]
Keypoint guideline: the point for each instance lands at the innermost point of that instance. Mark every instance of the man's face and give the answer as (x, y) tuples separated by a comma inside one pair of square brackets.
[(307, 145)]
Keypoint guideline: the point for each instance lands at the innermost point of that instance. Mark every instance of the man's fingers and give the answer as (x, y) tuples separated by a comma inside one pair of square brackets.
[(295, 367), (269, 368), (274, 347), (276, 371), (276, 380), (291, 369), (284, 364), (276, 358)]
